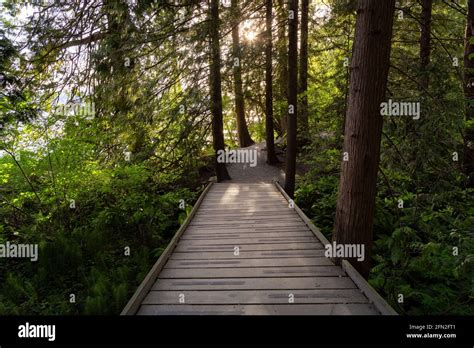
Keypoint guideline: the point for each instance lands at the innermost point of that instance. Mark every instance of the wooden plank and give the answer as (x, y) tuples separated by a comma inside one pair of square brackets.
[(229, 192), (286, 309), (263, 272), (256, 296), (253, 194), (187, 247), (234, 219), (238, 202), (280, 221), (277, 215), (247, 211), (237, 210), (247, 228), (245, 217), (254, 283), (261, 197), (198, 235), (248, 224), (233, 213), (263, 218), (258, 194), (226, 231), (246, 254), (134, 303), (250, 233), (307, 261), (243, 189), (268, 204), (256, 240), (251, 206), (286, 222), (250, 194), (240, 186), (242, 201), (242, 213)]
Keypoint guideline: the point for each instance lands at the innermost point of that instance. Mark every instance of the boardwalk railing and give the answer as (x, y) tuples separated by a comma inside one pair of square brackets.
[(134, 303)]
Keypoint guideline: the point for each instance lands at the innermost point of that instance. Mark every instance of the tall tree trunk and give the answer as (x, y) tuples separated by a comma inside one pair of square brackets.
[(292, 97), (303, 82), (349, 49), (282, 54), (215, 90), (242, 129), (425, 41), (357, 188), (271, 156), (469, 95)]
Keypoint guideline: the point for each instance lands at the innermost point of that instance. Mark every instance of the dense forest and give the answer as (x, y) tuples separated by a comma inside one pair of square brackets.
[(112, 112)]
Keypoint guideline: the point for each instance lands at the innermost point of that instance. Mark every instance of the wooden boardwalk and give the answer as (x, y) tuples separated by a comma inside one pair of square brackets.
[(244, 250)]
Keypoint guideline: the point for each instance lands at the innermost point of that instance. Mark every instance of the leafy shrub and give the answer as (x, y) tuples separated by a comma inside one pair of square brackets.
[(82, 250)]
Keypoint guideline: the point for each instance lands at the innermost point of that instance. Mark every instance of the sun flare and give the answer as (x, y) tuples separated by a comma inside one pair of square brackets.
[(250, 35)]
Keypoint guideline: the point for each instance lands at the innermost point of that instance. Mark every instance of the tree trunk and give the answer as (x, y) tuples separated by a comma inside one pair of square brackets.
[(242, 129), (303, 83), (283, 65), (271, 156), (348, 32), (292, 97), (425, 41), (357, 188), (469, 96), (215, 90)]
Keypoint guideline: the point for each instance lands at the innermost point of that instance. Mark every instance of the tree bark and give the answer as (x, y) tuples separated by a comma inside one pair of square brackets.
[(357, 188), (282, 46), (303, 82), (271, 155), (242, 129), (469, 95), (215, 90), (290, 169), (425, 41)]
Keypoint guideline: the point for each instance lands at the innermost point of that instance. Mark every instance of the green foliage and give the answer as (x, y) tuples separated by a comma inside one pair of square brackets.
[(317, 190), (430, 256), (82, 250), (413, 250)]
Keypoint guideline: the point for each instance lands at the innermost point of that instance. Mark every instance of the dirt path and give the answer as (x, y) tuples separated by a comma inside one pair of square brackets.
[(261, 173)]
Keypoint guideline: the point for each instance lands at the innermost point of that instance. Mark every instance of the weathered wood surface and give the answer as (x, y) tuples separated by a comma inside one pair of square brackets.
[(296, 309), (247, 252)]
